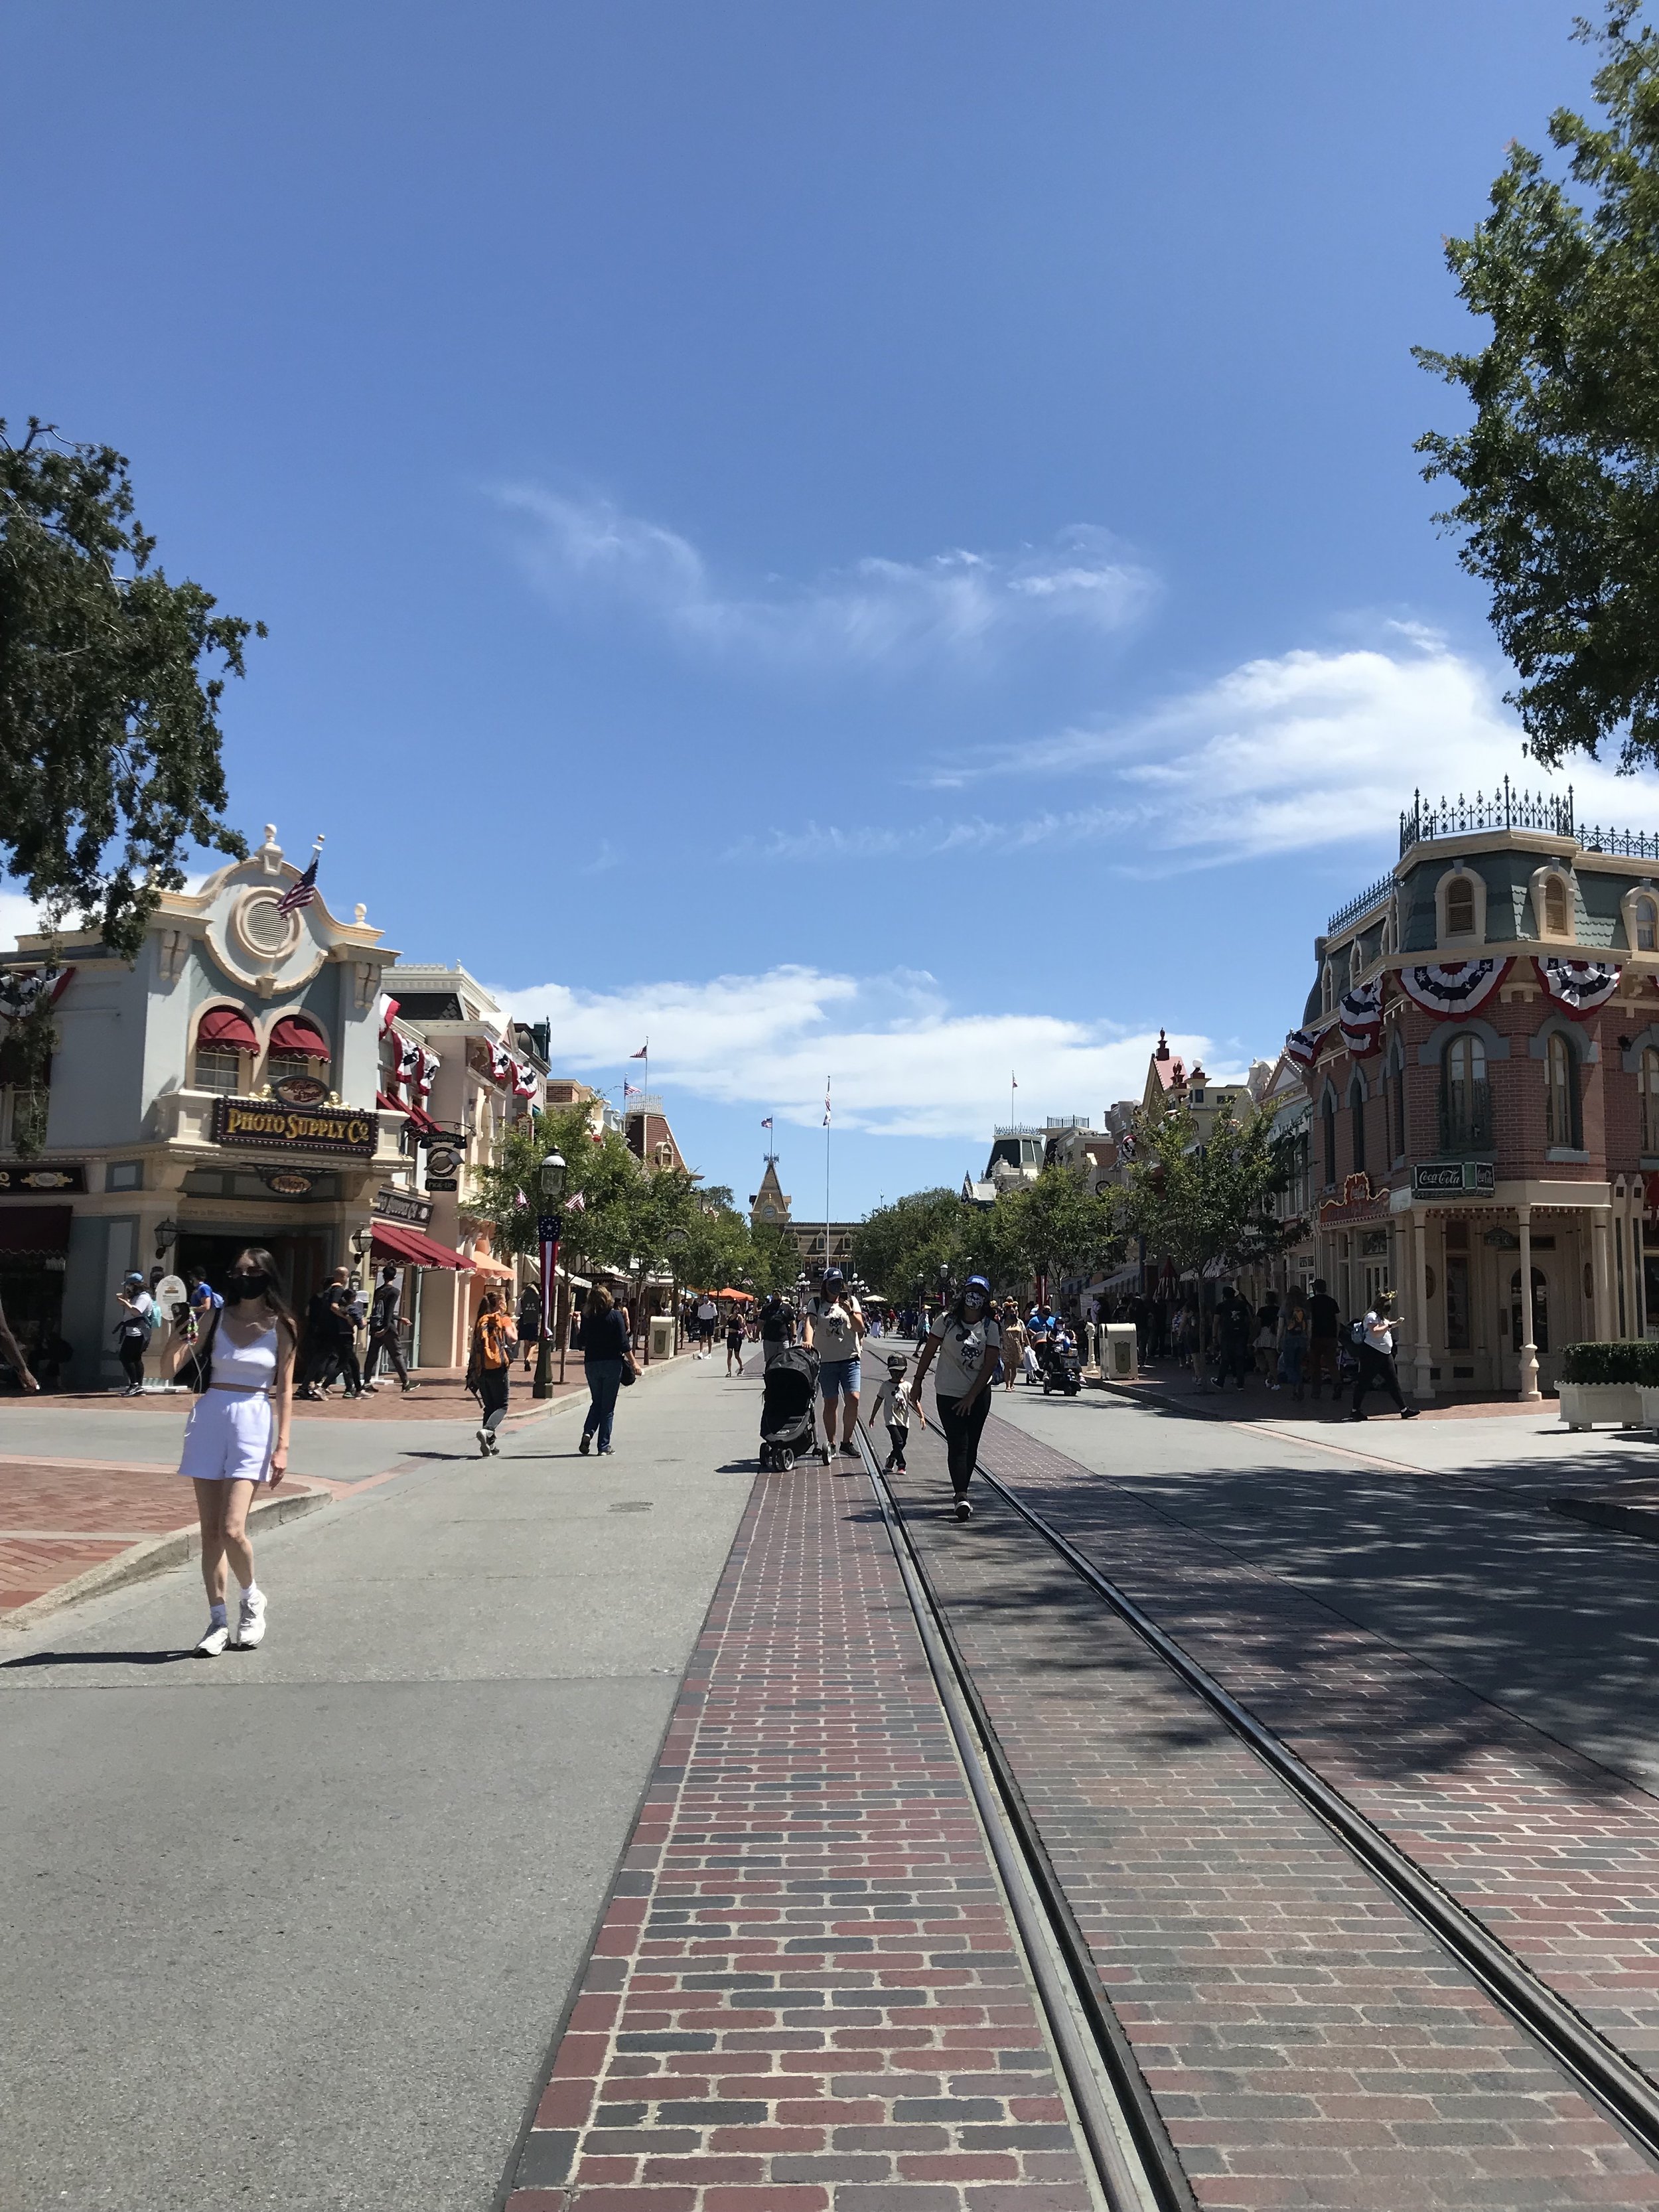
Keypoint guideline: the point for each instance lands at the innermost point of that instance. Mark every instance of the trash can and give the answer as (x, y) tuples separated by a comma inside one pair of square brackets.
[(662, 1336), (1121, 1358)]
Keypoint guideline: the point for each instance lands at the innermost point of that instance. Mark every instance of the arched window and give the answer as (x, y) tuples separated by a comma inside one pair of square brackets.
[(1555, 906), (1459, 905), (1466, 1109), (1647, 1082), (1644, 925), (1560, 1093), (1357, 1122), (298, 1047), (225, 1043), (1328, 1131), (1327, 987), (1395, 1112), (1355, 961)]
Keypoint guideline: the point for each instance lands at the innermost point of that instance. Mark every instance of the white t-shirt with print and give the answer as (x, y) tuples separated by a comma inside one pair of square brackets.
[(834, 1336), (961, 1352)]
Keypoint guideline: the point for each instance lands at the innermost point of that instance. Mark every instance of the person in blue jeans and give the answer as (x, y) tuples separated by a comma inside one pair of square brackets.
[(605, 1352)]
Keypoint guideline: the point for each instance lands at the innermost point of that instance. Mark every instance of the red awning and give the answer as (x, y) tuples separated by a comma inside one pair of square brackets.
[(227, 1026), (294, 1033), (396, 1240), (41, 1231), (418, 1115)]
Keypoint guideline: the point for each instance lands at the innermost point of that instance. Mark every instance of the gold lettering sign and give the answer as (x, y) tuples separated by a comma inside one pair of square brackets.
[(263, 1123)]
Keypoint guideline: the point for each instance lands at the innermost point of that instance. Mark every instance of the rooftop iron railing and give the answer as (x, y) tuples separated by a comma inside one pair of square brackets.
[(1508, 809), (1377, 895)]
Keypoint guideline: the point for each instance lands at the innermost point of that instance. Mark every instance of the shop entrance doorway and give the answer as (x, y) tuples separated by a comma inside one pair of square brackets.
[(301, 1258)]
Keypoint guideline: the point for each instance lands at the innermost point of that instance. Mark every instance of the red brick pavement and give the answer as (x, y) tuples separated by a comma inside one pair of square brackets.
[(1559, 1855), (806, 1988), (440, 1396), (58, 1517)]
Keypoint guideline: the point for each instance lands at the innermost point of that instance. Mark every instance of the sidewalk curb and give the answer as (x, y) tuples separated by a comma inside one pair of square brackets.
[(154, 1556), (1641, 1521)]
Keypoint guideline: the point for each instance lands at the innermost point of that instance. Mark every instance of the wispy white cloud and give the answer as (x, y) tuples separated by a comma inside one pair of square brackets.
[(955, 603), (904, 1063), (1288, 754)]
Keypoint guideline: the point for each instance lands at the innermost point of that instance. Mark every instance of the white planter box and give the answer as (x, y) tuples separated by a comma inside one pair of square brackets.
[(1584, 1404), (1649, 1406)]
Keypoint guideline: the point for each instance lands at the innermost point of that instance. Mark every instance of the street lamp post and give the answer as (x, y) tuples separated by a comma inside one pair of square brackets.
[(548, 1228)]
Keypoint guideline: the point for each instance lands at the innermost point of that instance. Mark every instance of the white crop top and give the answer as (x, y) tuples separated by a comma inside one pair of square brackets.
[(250, 1366)]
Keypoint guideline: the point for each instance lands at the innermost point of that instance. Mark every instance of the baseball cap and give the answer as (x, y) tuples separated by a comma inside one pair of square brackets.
[(135, 1278), (977, 1283), (833, 1275)]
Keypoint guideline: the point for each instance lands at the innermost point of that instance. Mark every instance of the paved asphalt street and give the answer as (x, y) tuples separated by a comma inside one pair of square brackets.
[(296, 1927)]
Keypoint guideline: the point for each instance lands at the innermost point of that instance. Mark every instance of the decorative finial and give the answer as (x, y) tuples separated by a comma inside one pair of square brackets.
[(360, 914), (271, 833)]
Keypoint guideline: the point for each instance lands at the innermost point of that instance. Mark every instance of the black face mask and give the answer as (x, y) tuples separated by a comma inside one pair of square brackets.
[(246, 1287)]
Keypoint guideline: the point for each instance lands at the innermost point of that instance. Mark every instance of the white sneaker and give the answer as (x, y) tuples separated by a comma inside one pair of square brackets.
[(213, 1639), (483, 1435), (251, 1621)]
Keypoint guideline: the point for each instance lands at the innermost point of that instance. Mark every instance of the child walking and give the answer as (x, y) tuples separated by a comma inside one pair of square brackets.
[(892, 1404)]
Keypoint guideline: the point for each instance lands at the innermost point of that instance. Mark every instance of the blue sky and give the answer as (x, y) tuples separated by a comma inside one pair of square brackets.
[(861, 541)]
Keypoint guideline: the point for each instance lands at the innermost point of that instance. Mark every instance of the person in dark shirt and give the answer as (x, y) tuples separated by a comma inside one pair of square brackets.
[(1324, 1339), (383, 1343)]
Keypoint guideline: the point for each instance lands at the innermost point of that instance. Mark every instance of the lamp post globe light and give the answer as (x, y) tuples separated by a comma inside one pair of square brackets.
[(551, 1177)]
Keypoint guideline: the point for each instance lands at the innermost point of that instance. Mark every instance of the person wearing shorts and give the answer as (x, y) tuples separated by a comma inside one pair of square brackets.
[(236, 1437), (835, 1329), (734, 1328)]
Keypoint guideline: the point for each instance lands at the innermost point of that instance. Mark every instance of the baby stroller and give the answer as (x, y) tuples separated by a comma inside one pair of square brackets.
[(787, 1389)]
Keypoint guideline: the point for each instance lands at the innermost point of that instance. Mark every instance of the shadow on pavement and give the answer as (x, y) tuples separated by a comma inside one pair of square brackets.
[(96, 1659)]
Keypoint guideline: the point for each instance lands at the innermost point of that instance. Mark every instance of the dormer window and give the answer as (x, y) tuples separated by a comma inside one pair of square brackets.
[(1327, 988), (1460, 907), (1555, 906), (1355, 961), (1460, 899), (1642, 921)]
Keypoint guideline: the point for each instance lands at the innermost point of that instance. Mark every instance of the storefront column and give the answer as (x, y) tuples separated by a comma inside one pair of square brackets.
[(1529, 1388), (1417, 1227), (1606, 1321)]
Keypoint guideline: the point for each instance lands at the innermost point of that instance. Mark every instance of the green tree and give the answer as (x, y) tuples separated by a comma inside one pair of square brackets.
[(899, 1249), (602, 1177), (1055, 1224), (110, 768), (1212, 1202), (1559, 470)]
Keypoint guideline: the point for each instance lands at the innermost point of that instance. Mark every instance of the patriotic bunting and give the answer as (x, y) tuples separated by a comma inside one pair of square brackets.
[(1359, 1018), (388, 1011), (524, 1080), (1583, 987), (1455, 986), (409, 1059), (429, 1064), (500, 1062), (1303, 1045)]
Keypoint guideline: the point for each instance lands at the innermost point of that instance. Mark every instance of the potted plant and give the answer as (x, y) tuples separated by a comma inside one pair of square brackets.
[(1617, 1381)]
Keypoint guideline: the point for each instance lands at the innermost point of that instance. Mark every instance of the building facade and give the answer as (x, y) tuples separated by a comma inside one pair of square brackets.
[(218, 1091), (821, 1244), (1480, 1051)]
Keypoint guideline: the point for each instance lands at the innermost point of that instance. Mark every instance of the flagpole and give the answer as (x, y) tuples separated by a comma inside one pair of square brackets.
[(828, 1079)]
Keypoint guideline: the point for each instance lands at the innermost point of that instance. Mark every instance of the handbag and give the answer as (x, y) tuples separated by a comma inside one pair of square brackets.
[(629, 1377)]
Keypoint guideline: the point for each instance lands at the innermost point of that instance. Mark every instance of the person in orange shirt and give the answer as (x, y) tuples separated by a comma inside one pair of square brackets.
[(490, 1370)]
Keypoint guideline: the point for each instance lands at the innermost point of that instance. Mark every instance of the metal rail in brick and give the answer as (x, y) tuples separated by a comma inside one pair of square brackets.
[(1622, 2090), (1136, 2165)]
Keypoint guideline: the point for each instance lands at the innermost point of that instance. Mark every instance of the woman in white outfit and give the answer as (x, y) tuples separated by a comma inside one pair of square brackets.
[(236, 1437)]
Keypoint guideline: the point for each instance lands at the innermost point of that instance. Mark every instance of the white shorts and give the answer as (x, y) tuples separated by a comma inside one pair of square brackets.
[(229, 1437)]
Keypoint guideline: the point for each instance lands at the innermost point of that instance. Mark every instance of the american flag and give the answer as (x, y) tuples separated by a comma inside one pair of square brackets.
[(767, 1123), (644, 1052), (303, 892), (826, 1102)]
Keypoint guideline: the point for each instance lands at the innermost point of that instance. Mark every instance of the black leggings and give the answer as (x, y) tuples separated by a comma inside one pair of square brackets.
[(1376, 1371), (494, 1384), (962, 1435)]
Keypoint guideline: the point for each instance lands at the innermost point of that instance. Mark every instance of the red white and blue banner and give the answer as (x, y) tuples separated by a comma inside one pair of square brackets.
[(429, 1064), (1303, 1045), (1454, 986), (1359, 1018), (408, 1060), (1581, 986)]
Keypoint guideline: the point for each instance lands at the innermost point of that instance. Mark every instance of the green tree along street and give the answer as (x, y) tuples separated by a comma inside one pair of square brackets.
[(902, 1249), (1212, 1202), (1559, 470), (624, 1217), (110, 765)]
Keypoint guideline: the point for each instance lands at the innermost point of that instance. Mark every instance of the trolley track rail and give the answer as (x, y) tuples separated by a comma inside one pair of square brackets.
[(1625, 2094)]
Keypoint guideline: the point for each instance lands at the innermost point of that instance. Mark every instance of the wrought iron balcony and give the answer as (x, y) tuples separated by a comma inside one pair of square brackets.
[(1466, 1125), (1379, 895)]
